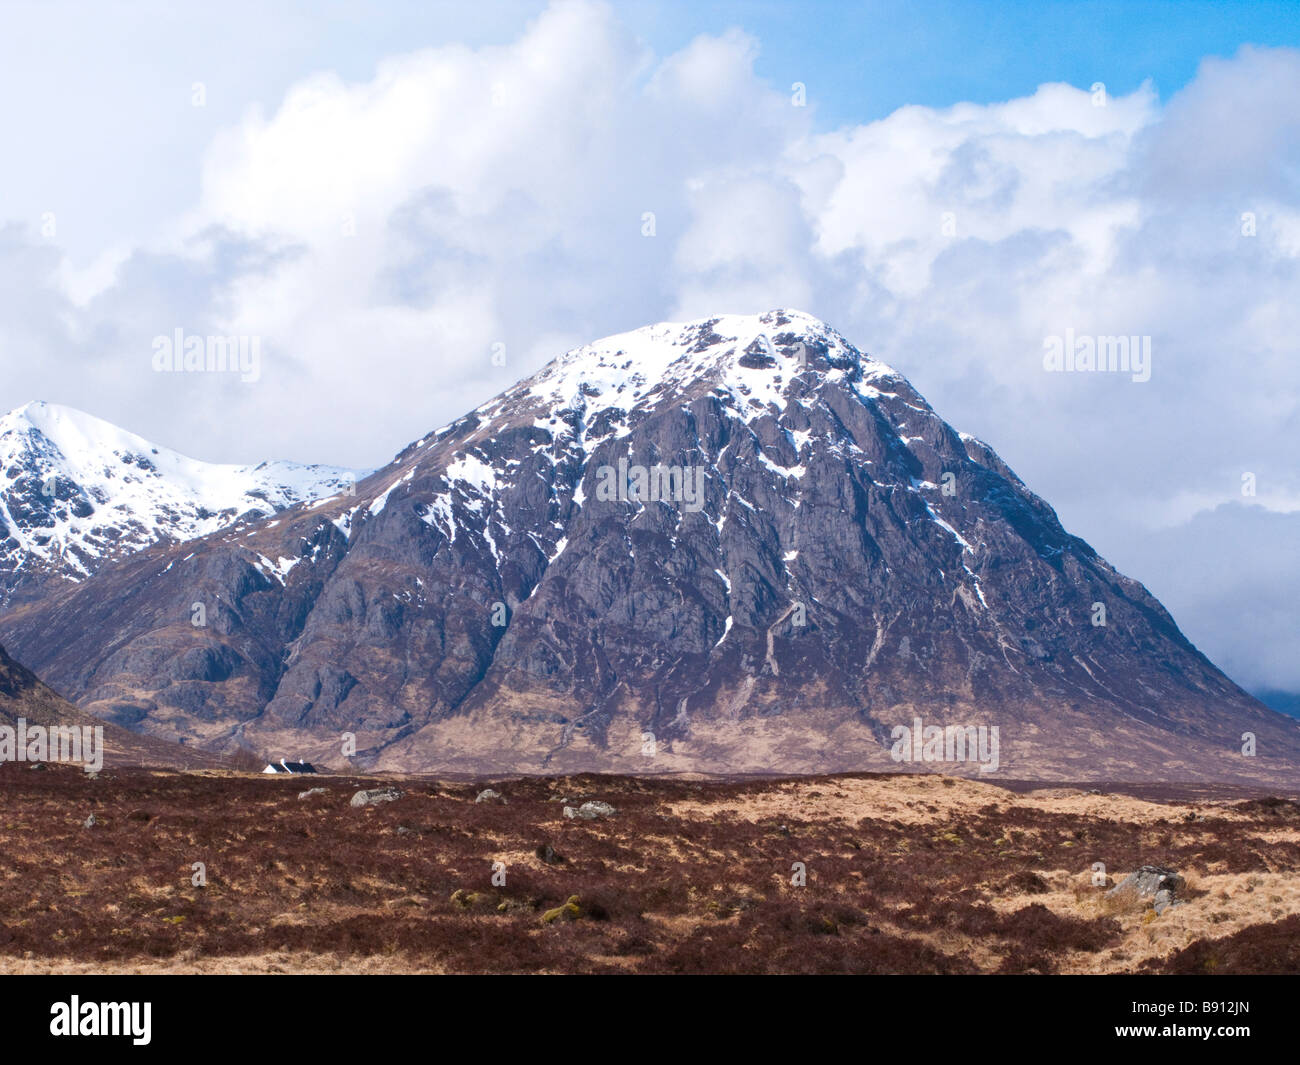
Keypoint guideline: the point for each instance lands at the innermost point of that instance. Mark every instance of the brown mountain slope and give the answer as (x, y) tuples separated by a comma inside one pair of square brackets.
[(23, 695)]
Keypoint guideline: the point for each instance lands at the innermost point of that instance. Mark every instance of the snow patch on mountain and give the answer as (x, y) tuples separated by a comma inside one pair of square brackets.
[(741, 354), (76, 491)]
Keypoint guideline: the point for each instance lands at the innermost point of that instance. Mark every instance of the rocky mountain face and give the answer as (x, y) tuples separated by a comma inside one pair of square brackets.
[(732, 545), (23, 697), (76, 492)]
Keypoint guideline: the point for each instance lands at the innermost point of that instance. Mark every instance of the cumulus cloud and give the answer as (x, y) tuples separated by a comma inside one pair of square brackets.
[(384, 237)]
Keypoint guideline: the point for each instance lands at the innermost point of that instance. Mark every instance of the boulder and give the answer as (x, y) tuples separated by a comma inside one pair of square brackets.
[(488, 795), (312, 791), (570, 911), (1149, 882), (589, 811), (375, 796)]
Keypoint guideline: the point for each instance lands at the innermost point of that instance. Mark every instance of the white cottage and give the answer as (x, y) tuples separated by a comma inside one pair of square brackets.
[(283, 766)]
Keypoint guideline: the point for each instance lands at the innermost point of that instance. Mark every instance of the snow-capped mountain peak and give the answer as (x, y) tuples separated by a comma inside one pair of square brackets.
[(76, 491), (753, 357)]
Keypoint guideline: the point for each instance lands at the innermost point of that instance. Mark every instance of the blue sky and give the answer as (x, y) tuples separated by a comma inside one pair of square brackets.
[(864, 60), (353, 191)]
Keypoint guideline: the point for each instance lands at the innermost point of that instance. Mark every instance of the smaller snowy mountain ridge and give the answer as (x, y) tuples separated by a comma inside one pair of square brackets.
[(77, 491)]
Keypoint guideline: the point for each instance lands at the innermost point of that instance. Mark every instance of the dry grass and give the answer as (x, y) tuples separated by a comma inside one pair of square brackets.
[(904, 875)]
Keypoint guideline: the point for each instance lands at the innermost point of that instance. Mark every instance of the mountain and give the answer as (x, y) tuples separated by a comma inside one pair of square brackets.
[(76, 492), (22, 695), (501, 598)]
